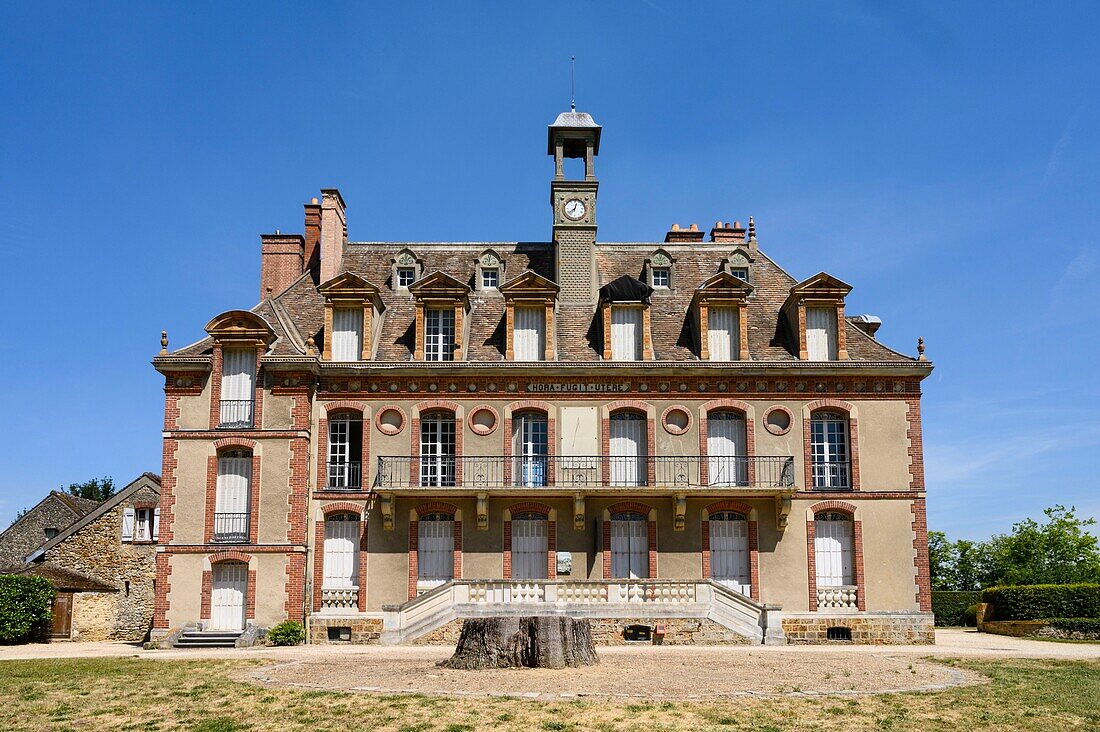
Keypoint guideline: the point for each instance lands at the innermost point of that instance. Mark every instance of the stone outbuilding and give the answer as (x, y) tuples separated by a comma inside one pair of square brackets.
[(114, 547), (52, 515)]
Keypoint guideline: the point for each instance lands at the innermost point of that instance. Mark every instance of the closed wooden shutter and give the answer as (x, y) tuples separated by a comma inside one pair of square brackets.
[(347, 334), (529, 547), (238, 370), (726, 450), (127, 524), (626, 334), (723, 334), (729, 551), (435, 550), (629, 546), (230, 584), (341, 551), (628, 449), (529, 338), (821, 334), (834, 549), (156, 524)]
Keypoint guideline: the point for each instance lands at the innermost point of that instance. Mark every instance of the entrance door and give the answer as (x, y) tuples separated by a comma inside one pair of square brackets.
[(230, 582), (62, 615), (529, 546), (729, 551), (629, 546)]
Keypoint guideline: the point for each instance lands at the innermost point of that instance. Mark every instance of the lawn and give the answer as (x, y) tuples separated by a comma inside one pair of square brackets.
[(208, 696)]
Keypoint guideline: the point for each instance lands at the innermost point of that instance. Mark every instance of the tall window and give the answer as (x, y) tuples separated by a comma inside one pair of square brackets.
[(628, 449), (726, 449), (529, 337), (629, 546), (821, 334), (341, 550), (435, 550), (238, 374), (437, 449), (829, 454), (406, 276), (531, 445), (439, 334), (723, 334), (345, 451), (729, 551), (626, 333), (834, 549), (529, 546), (233, 490), (347, 334)]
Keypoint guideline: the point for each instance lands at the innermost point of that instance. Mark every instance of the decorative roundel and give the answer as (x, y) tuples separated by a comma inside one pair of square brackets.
[(778, 420), (676, 420), (390, 420), (483, 420)]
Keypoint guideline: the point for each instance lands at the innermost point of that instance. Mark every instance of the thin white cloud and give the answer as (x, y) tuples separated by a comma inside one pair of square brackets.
[(1059, 151), (1069, 294)]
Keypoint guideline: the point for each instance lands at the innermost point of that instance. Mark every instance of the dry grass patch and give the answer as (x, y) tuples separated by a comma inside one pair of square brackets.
[(205, 696)]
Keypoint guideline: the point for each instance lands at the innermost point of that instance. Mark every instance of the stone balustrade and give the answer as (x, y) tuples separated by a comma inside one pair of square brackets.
[(340, 599), (838, 598)]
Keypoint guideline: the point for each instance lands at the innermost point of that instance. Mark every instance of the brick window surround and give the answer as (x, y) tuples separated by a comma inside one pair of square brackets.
[(208, 582), (551, 536), (216, 387), (421, 510), (530, 405), (831, 405), (857, 550), (357, 409), (754, 541), (727, 405), (232, 443), (426, 407), (651, 533), (628, 405), (319, 551), (350, 291)]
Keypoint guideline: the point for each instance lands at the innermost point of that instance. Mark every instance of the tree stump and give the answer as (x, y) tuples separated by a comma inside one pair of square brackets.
[(538, 641)]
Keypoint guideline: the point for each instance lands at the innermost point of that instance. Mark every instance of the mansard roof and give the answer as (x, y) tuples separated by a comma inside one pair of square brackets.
[(298, 313)]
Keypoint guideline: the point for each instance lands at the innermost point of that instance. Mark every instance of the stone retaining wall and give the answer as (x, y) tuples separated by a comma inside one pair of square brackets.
[(609, 632), (363, 630), (886, 629)]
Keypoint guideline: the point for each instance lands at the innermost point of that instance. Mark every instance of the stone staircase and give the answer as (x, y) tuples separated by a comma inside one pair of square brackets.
[(207, 639)]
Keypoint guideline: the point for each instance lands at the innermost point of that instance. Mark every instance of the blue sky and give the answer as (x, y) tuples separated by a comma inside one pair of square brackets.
[(941, 158)]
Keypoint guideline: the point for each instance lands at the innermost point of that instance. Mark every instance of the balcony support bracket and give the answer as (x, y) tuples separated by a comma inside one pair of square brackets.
[(385, 503), (482, 511), (578, 512), (782, 510), (679, 505)]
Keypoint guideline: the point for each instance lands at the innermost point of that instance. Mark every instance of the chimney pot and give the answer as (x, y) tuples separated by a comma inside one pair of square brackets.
[(675, 227), (694, 227), (313, 200)]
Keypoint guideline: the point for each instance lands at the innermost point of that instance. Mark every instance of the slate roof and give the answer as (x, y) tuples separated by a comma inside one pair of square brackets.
[(298, 313)]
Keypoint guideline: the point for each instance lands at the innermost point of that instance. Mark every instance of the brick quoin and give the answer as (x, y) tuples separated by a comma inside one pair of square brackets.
[(920, 518)]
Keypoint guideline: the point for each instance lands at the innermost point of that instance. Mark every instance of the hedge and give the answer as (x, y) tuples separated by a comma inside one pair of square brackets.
[(25, 603), (1076, 625), (1038, 602), (950, 606)]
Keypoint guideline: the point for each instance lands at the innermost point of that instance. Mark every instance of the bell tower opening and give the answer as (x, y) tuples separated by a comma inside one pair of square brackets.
[(574, 136)]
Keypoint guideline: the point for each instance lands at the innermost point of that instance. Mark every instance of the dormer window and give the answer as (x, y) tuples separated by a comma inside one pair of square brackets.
[(626, 333), (821, 343), (353, 316), (529, 339), (529, 317), (347, 334), (439, 334), (814, 313), (658, 268), (406, 276), (490, 279), (723, 333), (662, 278), (741, 273), (405, 270), (489, 271)]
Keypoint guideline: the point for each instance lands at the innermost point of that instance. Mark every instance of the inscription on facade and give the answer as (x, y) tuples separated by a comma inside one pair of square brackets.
[(554, 388)]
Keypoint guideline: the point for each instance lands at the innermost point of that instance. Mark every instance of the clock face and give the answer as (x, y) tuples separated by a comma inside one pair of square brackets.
[(574, 209)]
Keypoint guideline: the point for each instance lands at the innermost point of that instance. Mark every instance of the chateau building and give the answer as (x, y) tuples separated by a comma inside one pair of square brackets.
[(676, 439)]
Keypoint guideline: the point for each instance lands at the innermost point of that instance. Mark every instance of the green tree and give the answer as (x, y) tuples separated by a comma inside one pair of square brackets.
[(1058, 551), (96, 489), (941, 561)]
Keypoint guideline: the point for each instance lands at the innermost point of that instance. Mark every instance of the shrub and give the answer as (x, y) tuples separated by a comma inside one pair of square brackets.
[(970, 616), (1037, 602), (25, 602), (290, 633), (1076, 625), (950, 606)]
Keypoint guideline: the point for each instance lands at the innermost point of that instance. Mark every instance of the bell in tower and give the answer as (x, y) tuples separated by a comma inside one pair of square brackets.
[(575, 135)]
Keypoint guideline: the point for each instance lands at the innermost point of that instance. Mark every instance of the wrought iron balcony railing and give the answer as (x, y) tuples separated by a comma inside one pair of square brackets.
[(831, 475), (236, 414), (584, 471), (346, 476), (231, 528)]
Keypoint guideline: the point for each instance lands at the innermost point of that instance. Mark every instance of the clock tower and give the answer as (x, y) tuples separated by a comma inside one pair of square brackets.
[(575, 135)]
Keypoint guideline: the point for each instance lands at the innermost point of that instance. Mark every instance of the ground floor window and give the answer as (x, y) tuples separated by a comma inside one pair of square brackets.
[(629, 546), (341, 550), (729, 551), (529, 546), (435, 550), (834, 549)]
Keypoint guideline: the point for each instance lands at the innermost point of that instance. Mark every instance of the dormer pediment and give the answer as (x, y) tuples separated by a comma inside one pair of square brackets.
[(723, 286), (822, 286), (350, 286), (440, 285), (740, 257), (529, 283), (240, 325)]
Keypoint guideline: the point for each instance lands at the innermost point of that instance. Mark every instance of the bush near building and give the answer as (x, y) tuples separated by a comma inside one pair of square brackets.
[(289, 633), (950, 607), (1039, 602), (25, 603)]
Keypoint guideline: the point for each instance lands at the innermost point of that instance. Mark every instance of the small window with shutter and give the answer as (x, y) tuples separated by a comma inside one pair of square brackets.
[(127, 524), (723, 334), (626, 334)]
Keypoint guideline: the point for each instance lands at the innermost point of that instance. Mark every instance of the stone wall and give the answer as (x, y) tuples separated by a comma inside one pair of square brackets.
[(29, 531), (363, 630), (93, 616), (609, 632), (889, 629), (97, 550)]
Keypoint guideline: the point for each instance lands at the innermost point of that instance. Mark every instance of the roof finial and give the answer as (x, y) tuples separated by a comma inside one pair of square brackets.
[(572, 83), (920, 349), (752, 228), (163, 342), (311, 346)]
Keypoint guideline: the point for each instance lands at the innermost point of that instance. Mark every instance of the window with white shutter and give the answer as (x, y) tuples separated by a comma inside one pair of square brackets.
[(529, 336), (723, 334), (821, 334), (834, 549), (143, 524), (729, 551), (156, 524), (347, 334), (629, 546), (435, 550), (628, 445), (727, 462), (238, 387), (232, 493), (626, 333), (341, 550), (127, 524)]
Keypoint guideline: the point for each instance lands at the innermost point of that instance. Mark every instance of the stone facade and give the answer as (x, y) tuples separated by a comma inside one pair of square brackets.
[(677, 632), (887, 629), (55, 513), (361, 631)]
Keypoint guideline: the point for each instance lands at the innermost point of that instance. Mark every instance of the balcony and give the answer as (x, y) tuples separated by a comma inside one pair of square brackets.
[(585, 472), (345, 476), (236, 414), (231, 528), (831, 475)]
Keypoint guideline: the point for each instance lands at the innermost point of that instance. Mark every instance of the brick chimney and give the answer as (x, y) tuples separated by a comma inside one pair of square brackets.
[(281, 262), (727, 232), (676, 234), (334, 232), (313, 235)]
